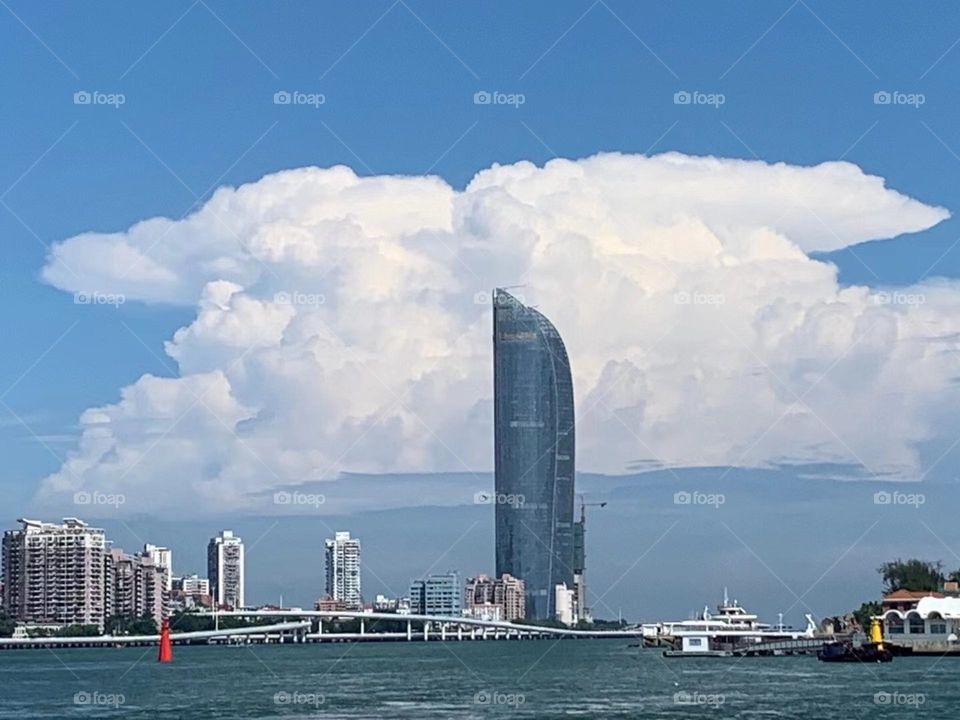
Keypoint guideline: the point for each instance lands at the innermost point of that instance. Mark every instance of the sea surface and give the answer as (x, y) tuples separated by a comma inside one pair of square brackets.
[(515, 679)]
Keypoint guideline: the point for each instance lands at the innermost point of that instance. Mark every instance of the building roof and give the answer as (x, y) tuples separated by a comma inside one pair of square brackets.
[(900, 595), (932, 604)]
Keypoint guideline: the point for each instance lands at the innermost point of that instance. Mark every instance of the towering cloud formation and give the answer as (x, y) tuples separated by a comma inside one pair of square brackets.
[(343, 323)]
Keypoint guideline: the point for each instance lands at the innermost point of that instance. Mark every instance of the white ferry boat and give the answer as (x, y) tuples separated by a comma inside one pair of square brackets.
[(731, 625)]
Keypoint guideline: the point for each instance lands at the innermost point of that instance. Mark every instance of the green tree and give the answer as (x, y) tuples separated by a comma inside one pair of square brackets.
[(542, 622), (600, 624), (192, 621), (144, 625), (866, 611), (72, 631), (184, 621), (116, 625), (911, 575), (7, 625)]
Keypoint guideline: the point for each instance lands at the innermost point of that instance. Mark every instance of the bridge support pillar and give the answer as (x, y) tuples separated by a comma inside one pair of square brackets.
[(443, 631), (409, 631), (459, 632), (363, 626), (426, 630)]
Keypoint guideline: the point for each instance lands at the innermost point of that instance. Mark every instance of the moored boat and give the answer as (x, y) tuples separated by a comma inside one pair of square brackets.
[(868, 652), (731, 626), (848, 652)]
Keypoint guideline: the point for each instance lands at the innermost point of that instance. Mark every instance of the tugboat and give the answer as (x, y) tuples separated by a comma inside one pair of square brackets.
[(869, 652)]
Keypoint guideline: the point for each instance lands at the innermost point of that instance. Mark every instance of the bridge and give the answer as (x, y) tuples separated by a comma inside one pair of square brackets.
[(442, 627), (307, 626), (279, 630)]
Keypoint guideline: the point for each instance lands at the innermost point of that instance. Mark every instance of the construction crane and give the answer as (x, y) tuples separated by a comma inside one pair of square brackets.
[(579, 558), (584, 505)]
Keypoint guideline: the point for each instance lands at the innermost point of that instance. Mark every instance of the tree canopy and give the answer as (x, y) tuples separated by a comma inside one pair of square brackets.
[(7, 625), (912, 575)]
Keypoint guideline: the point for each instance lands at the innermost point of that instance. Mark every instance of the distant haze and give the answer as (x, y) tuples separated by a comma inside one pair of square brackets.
[(774, 536)]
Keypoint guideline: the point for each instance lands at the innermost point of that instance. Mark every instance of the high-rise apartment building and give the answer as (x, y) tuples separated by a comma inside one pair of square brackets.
[(534, 452), (225, 569), (54, 574), (135, 586), (566, 604), (164, 558), (502, 598), (342, 561)]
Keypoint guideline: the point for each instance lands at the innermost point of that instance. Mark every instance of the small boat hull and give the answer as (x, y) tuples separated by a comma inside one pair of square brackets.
[(847, 652), (697, 653)]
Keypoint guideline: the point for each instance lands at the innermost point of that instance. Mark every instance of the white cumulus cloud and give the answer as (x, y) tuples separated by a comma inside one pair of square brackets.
[(343, 324)]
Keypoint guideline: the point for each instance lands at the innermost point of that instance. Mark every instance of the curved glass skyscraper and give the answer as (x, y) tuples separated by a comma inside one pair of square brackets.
[(534, 447)]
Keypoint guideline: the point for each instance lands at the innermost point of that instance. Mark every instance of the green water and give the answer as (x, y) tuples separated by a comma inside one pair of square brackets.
[(533, 679)]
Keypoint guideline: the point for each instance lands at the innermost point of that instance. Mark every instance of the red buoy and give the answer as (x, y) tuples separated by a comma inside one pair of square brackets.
[(166, 651)]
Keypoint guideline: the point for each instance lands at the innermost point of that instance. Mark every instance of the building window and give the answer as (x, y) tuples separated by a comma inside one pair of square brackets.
[(916, 625), (938, 627), (895, 626)]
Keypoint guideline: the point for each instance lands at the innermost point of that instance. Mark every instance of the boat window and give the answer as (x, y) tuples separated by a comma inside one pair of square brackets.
[(938, 627), (916, 625), (895, 626)]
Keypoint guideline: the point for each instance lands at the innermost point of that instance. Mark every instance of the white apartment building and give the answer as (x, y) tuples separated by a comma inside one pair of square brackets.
[(343, 570), (193, 585), (54, 574), (225, 569), (566, 604), (162, 557)]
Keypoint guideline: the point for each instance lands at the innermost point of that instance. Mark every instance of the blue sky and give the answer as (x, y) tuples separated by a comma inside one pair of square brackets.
[(399, 78)]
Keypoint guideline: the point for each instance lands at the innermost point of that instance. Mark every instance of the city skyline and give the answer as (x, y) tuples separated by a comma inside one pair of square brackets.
[(72, 575)]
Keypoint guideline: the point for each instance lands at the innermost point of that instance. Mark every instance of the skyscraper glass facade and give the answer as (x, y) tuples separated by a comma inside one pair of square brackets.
[(534, 448)]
